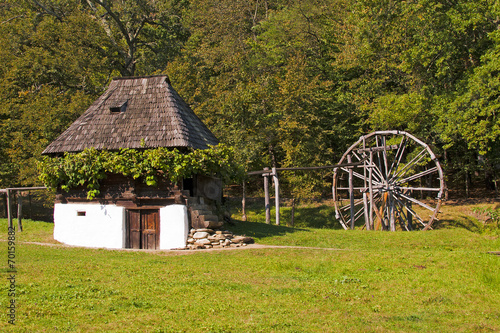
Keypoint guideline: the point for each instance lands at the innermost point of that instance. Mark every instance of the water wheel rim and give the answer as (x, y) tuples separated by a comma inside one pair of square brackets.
[(387, 176)]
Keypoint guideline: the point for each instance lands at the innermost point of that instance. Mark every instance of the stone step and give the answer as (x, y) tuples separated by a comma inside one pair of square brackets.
[(207, 217), (193, 201), (197, 212), (213, 224), (200, 207)]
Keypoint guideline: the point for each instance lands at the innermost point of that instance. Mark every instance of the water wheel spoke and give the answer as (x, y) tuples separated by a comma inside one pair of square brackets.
[(436, 189), (377, 211), (381, 213), (417, 202), (409, 165), (399, 155), (384, 155), (379, 160), (348, 206), (379, 177), (360, 159), (402, 215), (360, 176), (412, 212), (354, 188), (358, 214), (416, 176)]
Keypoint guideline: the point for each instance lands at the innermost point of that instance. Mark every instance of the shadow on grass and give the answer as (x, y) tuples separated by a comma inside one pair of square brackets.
[(261, 230), (312, 216), (464, 222)]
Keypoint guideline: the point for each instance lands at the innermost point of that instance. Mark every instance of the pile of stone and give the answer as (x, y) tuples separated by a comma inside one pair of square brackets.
[(208, 239)]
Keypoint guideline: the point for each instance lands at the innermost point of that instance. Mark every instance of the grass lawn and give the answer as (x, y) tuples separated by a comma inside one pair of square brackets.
[(436, 281)]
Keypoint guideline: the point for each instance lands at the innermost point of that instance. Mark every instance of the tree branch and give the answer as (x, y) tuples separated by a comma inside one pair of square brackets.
[(47, 10)]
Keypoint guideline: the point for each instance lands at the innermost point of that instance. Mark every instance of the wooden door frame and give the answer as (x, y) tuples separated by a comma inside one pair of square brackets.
[(142, 227)]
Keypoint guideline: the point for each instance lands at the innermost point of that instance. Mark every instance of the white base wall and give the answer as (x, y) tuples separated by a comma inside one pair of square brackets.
[(96, 225), (174, 227), (90, 225)]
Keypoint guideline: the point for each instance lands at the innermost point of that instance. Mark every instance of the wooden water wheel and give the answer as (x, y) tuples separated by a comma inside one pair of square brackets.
[(399, 185)]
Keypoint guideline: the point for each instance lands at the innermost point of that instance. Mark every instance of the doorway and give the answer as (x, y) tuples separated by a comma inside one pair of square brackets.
[(143, 229)]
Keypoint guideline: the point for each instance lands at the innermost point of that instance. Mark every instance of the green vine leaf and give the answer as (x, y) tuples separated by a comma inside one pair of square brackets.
[(89, 167)]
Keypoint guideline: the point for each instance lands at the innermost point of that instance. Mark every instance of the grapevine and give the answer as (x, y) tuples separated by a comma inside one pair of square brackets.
[(89, 167)]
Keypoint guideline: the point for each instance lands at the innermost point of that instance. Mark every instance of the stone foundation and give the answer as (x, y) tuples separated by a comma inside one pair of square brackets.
[(208, 239)]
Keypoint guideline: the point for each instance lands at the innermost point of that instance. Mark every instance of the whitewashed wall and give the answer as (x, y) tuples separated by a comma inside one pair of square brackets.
[(102, 225), (174, 227)]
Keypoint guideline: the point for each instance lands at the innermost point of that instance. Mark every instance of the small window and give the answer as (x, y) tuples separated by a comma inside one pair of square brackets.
[(118, 108), (81, 213)]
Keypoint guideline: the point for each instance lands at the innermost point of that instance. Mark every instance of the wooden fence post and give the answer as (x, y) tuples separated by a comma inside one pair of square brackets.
[(19, 211), (351, 191), (4, 198), (266, 197), (276, 195), (30, 208), (9, 211), (243, 204)]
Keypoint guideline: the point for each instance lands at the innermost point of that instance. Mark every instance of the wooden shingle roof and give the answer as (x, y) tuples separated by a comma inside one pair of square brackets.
[(135, 112)]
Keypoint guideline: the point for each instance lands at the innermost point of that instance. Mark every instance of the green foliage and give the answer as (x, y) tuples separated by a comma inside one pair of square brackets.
[(267, 85), (88, 168), (285, 82)]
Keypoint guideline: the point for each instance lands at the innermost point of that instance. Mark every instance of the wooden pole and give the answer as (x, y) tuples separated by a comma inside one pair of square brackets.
[(351, 191), (243, 204), (370, 189), (5, 204), (276, 195), (9, 212), (253, 173), (30, 208), (366, 208), (366, 211), (19, 211), (392, 213), (266, 197), (409, 216)]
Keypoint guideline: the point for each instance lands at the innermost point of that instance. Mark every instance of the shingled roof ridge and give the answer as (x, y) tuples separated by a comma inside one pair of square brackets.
[(121, 78)]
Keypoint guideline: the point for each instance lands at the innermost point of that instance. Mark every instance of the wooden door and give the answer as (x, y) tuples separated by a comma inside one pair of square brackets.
[(143, 229)]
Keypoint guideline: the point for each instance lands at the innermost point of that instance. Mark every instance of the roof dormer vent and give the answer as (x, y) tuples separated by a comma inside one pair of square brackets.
[(118, 107)]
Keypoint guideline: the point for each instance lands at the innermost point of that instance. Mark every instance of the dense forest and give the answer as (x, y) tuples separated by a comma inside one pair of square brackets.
[(285, 82)]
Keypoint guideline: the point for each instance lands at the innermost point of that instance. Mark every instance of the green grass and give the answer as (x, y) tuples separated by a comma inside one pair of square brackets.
[(443, 280)]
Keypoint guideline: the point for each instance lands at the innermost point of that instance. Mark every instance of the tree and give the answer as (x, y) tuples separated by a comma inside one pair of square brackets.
[(143, 35), (51, 71), (264, 81)]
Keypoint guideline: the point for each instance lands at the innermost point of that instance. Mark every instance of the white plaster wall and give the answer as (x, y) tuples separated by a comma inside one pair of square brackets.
[(102, 225), (174, 227)]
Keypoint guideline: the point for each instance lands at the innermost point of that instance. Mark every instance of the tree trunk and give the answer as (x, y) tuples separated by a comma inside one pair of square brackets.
[(243, 204)]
